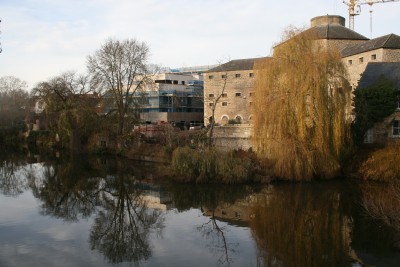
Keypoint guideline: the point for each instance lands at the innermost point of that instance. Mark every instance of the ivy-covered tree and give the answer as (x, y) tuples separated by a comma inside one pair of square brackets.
[(372, 104), (69, 108)]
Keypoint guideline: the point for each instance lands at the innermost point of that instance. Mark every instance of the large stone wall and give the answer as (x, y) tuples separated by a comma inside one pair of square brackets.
[(237, 96), (231, 137), (356, 64)]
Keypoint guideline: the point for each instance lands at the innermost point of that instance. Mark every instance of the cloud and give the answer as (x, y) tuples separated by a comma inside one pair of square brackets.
[(42, 38)]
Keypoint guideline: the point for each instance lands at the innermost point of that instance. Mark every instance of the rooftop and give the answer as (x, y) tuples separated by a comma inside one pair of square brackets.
[(374, 70), (390, 41), (237, 64), (334, 32)]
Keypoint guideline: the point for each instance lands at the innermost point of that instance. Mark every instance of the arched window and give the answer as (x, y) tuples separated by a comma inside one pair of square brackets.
[(224, 119), (238, 119)]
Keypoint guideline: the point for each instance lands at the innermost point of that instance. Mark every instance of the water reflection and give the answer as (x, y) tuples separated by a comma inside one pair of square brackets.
[(122, 226), (12, 183), (211, 199), (302, 225), (382, 202), (78, 188), (318, 224)]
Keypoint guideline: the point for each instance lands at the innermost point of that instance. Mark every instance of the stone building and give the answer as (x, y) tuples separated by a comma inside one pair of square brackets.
[(229, 90), (330, 32), (357, 57), (389, 128)]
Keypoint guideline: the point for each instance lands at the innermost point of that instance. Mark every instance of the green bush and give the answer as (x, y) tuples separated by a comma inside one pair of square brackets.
[(210, 166)]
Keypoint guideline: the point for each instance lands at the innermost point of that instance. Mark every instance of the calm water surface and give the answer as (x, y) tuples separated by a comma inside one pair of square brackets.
[(111, 212)]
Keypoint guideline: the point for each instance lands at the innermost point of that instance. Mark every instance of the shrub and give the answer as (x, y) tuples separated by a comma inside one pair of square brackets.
[(383, 164), (210, 166)]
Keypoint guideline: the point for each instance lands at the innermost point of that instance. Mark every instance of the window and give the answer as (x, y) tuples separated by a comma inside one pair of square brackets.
[(251, 75), (361, 60), (211, 77), (373, 57), (224, 95), (210, 95), (398, 103), (175, 82), (183, 82), (210, 104), (396, 128), (251, 94), (350, 62), (250, 103), (369, 136), (223, 76), (224, 104), (238, 94), (237, 75)]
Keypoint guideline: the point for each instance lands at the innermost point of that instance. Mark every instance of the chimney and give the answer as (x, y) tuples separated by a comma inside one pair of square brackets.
[(328, 19)]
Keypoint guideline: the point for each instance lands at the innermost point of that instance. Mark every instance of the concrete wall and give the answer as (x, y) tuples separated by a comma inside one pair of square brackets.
[(171, 116), (233, 137), (236, 102)]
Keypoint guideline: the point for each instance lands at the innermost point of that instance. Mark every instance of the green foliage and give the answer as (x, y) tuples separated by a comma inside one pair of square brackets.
[(209, 166), (372, 104), (233, 121)]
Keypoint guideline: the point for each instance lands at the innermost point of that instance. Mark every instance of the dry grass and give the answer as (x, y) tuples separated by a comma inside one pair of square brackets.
[(210, 166), (382, 164)]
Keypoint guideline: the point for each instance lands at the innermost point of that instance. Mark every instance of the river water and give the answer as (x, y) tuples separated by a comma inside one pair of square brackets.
[(57, 211)]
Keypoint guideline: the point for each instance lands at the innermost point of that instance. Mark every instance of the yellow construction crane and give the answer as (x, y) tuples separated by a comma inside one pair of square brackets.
[(355, 8)]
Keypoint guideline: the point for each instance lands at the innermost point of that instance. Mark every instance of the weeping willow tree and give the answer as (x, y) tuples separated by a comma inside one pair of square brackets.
[(301, 121)]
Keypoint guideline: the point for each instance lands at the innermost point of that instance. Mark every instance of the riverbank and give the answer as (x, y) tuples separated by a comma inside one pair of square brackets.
[(189, 161)]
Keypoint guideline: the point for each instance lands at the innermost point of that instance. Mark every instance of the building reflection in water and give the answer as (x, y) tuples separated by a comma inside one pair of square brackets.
[(294, 225)]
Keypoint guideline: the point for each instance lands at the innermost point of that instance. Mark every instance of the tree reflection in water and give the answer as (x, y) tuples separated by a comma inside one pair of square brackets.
[(77, 189), (382, 202), (211, 198), (12, 183), (67, 190), (121, 230), (301, 225), (218, 241)]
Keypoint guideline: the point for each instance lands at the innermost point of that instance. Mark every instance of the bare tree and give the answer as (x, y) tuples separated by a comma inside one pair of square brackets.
[(13, 101), (119, 69), (211, 102)]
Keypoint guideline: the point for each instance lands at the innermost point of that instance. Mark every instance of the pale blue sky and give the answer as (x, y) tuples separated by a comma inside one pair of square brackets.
[(42, 38)]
